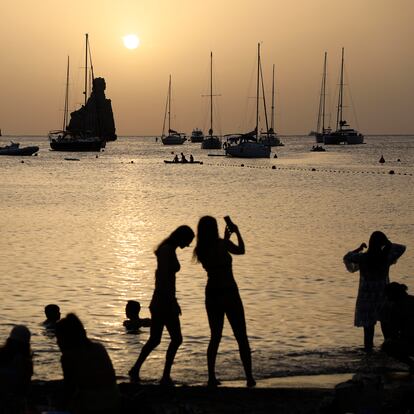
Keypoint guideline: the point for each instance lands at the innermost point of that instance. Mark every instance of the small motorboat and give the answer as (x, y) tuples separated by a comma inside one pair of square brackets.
[(15, 149), (317, 148)]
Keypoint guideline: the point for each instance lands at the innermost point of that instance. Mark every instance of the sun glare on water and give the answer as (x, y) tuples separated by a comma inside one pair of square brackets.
[(131, 41)]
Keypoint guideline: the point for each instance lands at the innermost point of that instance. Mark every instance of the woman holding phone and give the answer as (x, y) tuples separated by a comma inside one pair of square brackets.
[(222, 294)]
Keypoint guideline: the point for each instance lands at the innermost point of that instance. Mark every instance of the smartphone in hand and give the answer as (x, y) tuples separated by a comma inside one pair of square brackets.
[(229, 223)]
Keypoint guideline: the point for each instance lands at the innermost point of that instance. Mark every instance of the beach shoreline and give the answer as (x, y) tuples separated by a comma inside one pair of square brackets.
[(390, 393)]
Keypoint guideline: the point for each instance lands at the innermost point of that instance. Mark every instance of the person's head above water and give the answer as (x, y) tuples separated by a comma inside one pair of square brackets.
[(52, 312), (132, 309)]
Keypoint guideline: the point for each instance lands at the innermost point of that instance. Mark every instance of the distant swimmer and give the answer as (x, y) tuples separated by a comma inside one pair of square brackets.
[(52, 313), (382, 160), (134, 322)]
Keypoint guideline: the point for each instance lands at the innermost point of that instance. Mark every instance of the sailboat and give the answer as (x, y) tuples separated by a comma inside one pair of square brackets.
[(343, 133), (247, 145), (197, 135), (91, 126), (320, 127), (173, 137), (211, 141), (270, 136)]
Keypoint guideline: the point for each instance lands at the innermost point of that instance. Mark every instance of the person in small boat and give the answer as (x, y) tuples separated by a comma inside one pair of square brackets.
[(400, 344), (16, 370), (134, 322), (52, 313), (222, 296), (183, 159), (88, 373), (381, 160), (164, 307), (374, 266), (191, 158), (176, 158)]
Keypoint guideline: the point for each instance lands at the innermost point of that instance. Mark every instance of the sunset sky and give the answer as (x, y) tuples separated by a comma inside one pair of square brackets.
[(176, 38)]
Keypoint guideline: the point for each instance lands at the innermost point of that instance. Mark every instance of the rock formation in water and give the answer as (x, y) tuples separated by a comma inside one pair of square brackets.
[(96, 117)]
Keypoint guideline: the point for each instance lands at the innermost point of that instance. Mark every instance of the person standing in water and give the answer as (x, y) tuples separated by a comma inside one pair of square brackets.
[(222, 294), (374, 266), (165, 310)]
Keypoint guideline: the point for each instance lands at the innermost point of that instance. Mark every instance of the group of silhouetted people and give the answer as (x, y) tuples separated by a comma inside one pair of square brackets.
[(222, 296), (89, 376)]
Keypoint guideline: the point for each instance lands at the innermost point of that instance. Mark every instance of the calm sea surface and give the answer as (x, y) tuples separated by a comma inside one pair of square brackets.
[(82, 233)]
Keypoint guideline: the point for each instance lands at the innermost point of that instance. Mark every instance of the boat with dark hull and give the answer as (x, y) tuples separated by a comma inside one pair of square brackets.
[(15, 149), (173, 137), (248, 145), (75, 141), (197, 135), (91, 126), (343, 134), (321, 130)]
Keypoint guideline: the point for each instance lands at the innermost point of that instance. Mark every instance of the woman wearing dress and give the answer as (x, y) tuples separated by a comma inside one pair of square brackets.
[(222, 294), (164, 307), (373, 266)]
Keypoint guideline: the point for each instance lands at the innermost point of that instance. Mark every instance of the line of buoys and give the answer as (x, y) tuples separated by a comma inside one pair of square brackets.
[(313, 169)]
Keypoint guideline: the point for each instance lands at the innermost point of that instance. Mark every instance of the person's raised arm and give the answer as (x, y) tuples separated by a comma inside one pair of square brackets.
[(232, 247), (352, 258)]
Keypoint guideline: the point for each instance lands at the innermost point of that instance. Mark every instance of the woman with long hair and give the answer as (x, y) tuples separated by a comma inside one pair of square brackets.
[(222, 294), (164, 307), (373, 266), (88, 373)]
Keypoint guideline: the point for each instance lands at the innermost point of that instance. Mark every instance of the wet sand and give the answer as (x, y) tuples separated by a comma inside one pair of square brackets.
[(391, 393)]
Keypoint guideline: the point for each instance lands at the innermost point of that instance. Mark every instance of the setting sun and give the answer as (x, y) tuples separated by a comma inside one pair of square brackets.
[(131, 41)]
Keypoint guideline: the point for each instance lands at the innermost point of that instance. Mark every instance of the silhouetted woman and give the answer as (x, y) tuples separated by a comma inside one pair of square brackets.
[(373, 265), (222, 293), (16, 370), (164, 307), (88, 373)]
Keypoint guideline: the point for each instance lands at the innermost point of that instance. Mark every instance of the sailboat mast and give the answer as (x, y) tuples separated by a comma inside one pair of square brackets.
[(272, 120), (264, 99), (210, 132), (324, 94), (257, 91), (340, 96), (66, 110), (86, 69), (169, 105)]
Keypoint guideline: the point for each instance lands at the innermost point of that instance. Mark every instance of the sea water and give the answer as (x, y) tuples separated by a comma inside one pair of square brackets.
[(81, 234)]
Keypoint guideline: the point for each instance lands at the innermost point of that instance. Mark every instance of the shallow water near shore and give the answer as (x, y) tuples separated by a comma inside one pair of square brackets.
[(82, 234)]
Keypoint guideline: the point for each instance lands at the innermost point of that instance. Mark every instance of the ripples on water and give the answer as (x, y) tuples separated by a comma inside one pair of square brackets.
[(82, 234)]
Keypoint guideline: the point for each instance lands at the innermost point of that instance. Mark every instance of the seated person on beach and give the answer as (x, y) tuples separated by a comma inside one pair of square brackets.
[(400, 343), (52, 313), (88, 374), (134, 322), (16, 370)]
